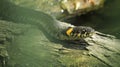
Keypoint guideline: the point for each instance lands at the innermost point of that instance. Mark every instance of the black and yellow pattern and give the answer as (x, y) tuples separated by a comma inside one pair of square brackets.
[(79, 32), (69, 31)]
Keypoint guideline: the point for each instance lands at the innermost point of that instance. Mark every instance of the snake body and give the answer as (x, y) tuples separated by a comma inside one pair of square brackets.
[(57, 29)]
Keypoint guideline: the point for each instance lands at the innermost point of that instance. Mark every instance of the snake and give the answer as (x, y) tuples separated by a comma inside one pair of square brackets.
[(55, 28)]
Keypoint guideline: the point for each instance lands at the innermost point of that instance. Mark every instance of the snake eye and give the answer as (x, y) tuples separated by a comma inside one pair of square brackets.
[(83, 31)]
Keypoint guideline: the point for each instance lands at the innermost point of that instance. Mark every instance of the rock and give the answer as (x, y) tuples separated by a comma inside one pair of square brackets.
[(61, 8), (81, 6)]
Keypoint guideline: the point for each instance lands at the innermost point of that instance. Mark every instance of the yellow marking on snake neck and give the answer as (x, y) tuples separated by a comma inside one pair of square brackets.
[(79, 35), (85, 34), (68, 32)]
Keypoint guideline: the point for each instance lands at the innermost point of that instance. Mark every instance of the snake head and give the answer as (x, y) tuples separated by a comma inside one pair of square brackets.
[(80, 32)]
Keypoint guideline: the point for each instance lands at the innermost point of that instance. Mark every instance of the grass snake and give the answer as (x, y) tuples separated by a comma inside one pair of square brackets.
[(57, 29)]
